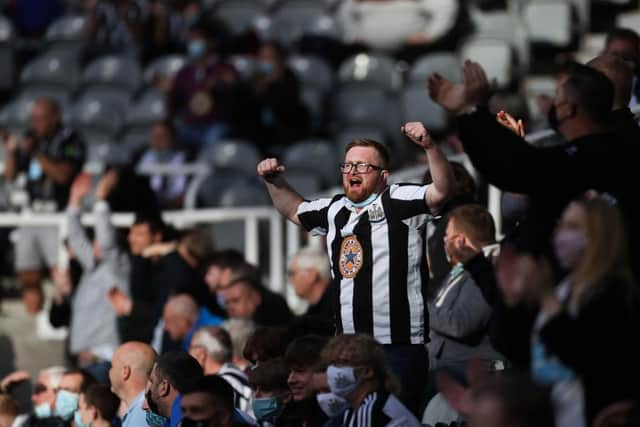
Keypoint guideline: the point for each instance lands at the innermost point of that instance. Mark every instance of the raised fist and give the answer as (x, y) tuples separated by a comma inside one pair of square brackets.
[(418, 134), (270, 168)]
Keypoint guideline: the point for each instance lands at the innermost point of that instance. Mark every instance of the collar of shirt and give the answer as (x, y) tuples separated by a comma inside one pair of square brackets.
[(136, 402), (20, 420)]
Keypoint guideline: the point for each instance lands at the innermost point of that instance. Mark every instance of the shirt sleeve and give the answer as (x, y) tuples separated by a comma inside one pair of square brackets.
[(313, 216), (71, 149), (408, 200)]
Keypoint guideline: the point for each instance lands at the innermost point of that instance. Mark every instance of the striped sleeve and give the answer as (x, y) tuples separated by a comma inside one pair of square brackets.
[(313, 216), (408, 200)]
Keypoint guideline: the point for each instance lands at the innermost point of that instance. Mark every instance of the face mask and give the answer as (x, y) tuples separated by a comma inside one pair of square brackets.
[(342, 380), (43, 410), (188, 422), (372, 197), (153, 406), (265, 408), (331, 404), (66, 404), (154, 420), (552, 118), (35, 170), (196, 48), (78, 420), (569, 246), (265, 68)]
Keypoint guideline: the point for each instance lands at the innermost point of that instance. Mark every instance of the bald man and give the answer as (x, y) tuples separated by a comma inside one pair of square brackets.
[(182, 317), (130, 369), (620, 74)]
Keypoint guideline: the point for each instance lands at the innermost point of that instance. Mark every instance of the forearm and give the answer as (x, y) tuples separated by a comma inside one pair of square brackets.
[(60, 172), (285, 199), (443, 179), (105, 232), (10, 167), (78, 241)]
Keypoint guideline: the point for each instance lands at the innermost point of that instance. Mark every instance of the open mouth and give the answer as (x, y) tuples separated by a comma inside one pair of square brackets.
[(355, 183)]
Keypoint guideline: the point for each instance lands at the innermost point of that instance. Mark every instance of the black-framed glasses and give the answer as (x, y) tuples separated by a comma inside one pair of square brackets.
[(360, 167)]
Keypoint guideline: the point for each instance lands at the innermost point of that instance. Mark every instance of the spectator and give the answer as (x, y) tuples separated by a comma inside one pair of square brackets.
[(225, 266), (93, 331), (173, 374), (271, 394), (357, 372), (211, 347), (372, 246), (182, 318), (73, 383), (201, 88), (10, 415), (266, 343), (97, 407), (303, 360), (283, 116), (248, 299), (43, 396), (131, 366), (50, 157), (240, 331), (310, 274), (624, 42), (169, 189)]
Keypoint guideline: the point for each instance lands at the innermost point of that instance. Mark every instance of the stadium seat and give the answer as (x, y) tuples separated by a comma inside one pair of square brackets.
[(418, 106), (494, 55), (306, 184), (147, 110), (239, 15), (245, 66), (292, 18), (7, 61), (212, 186), (97, 118), (135, 141), (165, 66), (548, 22), (119, 99), (314, 99), (629, 20), (316, 156), (118, 72), (445, 64), (324, 25), (375, 70), (66, 33), (534, 87), (243, 193), (235, 156), (312, 71), (53, 69), (346, 135), (360, 105)]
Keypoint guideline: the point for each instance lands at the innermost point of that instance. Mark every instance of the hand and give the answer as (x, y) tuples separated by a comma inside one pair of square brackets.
[(448, 95), (13, 378), (270, 169), (120, 302), (462, 250), (11, 142), (417, 39), (106, 184), (418, 134), (62, 282), (477, 89), (458, 396), (81, 187), (507, 120), (159, 249)]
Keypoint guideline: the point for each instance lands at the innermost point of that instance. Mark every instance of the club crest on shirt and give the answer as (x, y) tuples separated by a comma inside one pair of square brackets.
[(350, 257), (376, 213)]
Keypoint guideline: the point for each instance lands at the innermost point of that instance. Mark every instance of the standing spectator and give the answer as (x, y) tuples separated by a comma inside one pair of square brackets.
[(97, 407), (50, 164), (73, 383), (201, 89), (283, 116), (357, 372), (375, 242), (131, 366), (624, 42), (245, 298), (225, 266), (271, 395), (182, 318), (10, 415), (169, 189), (43, 396), (240, 331)]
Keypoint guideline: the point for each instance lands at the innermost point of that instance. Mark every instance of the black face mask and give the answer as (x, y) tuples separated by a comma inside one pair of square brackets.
[(153, 406), (188, 422), (552, 118)]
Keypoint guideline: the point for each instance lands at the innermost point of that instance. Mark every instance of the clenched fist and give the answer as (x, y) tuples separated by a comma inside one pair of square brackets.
[(270, 168), (418, 134)]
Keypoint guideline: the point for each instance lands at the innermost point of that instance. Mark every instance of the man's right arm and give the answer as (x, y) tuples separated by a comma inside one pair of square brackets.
[(284, 197)]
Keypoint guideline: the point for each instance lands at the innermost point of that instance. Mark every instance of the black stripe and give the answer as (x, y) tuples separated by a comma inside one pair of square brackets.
[(362, 283), (399, 313), (424, 277), (378, 417), (339, 221)]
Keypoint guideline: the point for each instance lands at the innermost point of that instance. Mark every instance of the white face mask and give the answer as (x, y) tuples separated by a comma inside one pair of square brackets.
[(569, 247), (342, 380), (331, 404)]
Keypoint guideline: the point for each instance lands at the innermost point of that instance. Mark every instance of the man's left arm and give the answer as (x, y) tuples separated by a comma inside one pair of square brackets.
[(63, 165)]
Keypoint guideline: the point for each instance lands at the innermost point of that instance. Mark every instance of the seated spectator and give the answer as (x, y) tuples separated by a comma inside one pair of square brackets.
[(211, 347), (182, 318), (97, 407), (357, 372), (309, 273), (240, 331), (271, 394), (169, 189), (44, 163), (201, 89), (73, 383), (10, 415), (224, 267), (248, 299), (266, 343), (45, 389), (283, 116)]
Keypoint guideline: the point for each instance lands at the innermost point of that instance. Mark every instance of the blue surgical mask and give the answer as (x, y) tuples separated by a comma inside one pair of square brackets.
[(196, 48), (43, 410), (332, 405), (265, 408), (35, 170), (78, 420), (363, 204), (342, 380), (66, 404), (155, 420)]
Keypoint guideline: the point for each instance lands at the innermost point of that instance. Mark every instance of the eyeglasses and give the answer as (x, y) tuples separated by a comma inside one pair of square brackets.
[(360, 167)]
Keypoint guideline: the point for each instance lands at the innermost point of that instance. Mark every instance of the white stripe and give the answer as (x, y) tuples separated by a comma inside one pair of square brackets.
[(380, 282), (414, 293), (331, 233), (314, 205), (408, 192)]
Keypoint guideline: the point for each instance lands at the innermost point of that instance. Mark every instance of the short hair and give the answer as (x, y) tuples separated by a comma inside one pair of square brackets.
[(198, 245), (216, 387), (55, 373), (9, 406), (625, 34), (87, 378), (51, 104), (278, 48), (181, 370), (154, 221), (168, 124), (304, 352), (266, 343), (227, 258), (100, 396), (270, 375), (382, 149), (315, 258), (216, 341), (475, 221), (591, 90), (240, 331)]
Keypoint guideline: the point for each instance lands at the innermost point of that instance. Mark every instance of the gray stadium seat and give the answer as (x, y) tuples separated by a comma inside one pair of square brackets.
[(316, 156), (245, 66), (113, 71), (135, 141), (324, 25), (54, 68), (150, 108), (375, 70), (494, 55), (66, 33), (291, 20), (97, 118), (314, 99), (165, 66), (312, 71), (119, 99), (418, 106), (236, 156), (239, 15), (346, 135), (243, 193), (549, 21), (362, 105), (445, 64), (305, 183), (7, 61), (208, 194)]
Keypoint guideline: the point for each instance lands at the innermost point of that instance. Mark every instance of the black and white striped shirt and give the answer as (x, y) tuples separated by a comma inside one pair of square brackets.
[(379, 410), (377, 261)]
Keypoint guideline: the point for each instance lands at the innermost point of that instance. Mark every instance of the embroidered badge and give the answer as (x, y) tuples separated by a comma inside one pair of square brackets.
[(350, 257), (376, 213)]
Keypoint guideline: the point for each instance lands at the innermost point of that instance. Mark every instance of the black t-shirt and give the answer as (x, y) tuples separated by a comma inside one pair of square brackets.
[(64, 146)]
